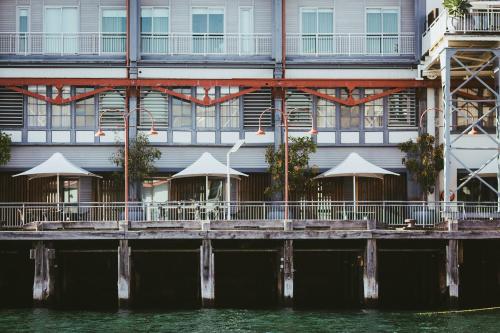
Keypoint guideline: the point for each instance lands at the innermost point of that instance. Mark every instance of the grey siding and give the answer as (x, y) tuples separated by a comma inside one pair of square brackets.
[(176, 158)]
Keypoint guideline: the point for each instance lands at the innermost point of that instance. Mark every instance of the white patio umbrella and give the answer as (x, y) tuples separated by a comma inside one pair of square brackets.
[(356, 166), (57, 165), (207, 166)]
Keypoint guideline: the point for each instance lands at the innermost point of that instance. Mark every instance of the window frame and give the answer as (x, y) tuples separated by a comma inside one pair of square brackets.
[(382, 34), (38, 104)]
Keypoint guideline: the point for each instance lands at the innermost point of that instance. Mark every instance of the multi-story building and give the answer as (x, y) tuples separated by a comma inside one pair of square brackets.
[(349, 67), (367, 75)]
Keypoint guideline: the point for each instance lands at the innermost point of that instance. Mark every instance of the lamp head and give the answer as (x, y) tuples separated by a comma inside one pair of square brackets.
[(153, 131), (473, 131), (260, 132), (99, 133), (313, 131)]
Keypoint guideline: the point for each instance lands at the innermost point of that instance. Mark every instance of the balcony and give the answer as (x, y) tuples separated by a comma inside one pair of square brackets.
[(332, 45), (62, 44), (482, 22), (177, 44)]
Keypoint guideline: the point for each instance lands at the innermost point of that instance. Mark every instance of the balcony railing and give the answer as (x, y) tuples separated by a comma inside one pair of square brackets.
[(350, 44), (206, 44), (62, 43), (477, 21), (389, 213)]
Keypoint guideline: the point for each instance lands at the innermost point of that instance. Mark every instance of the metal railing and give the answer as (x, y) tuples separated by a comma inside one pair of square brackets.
[(476, 21), (390, 213), (364, 44), (206, 44), (43, 43)]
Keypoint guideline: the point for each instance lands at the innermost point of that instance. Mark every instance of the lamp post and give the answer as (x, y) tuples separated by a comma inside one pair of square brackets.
[(234, 149), (260, 131), (126, 115)]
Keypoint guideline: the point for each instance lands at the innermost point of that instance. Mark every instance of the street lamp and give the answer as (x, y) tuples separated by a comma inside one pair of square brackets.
[(234, 149), (472, 132), (126, 115), (284, 116)]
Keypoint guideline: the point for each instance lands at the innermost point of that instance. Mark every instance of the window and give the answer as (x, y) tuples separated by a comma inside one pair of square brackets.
[(61, 114), (299, 106), (325, 110), (154, 30), (205, 115), (157, 104), (230, 110), (382, 27), (22, 28), (11, 108), (469, 110), (374, 110), (403, 109), (349, 115), (61, 30), (111, 108), (70, 190), (254, 104), (208, 30), (85, 110), (317, 31), (247, 41), (113, 27), (181, 110), (37, 109)]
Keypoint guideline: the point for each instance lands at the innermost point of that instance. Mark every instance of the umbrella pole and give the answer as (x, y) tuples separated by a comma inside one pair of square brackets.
[(354, 196), (58, 198)]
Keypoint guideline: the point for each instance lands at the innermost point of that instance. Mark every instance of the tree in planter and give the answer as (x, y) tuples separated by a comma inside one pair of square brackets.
[(424, 161), (5, 142), (141, 159), (457, 9), (300, 174)]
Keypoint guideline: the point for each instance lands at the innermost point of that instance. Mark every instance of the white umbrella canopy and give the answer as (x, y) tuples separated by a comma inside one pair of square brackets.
[(356, 166), (207, 166), (57, 165)]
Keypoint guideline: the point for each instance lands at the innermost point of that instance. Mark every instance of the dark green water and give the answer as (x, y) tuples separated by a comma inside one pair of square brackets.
[(240, 321)]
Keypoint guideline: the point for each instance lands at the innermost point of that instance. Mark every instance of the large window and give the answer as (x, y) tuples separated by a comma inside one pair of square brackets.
[(325, 110), (11, 108), (113, 27), (317, 31), (469, 110), (374, 110), (61, 114), (61, 30), (154, 30), (85, 110), (22, 28), (157, 104), (382, 28), (208, 30), (37, 109), (230, 110), (205, 115), (181, 110), (403, 109), (349, 115)]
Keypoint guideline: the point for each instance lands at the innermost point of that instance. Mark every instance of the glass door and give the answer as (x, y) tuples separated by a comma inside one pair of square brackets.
[(246, 38), (113, 28), (382, 27), (22, 30), (154, 30), (208, 30), (61, 30)]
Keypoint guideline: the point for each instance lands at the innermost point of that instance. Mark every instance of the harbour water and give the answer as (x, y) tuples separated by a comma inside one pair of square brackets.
[(245, 321)]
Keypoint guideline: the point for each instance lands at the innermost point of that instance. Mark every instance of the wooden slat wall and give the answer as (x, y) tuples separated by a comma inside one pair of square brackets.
[(393, 189), (252, 187), (109, 188)]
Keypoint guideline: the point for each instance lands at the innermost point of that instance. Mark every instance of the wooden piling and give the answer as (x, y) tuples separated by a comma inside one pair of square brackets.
[(370, 278), (43, 283), (452, 272), (286, 268), (124, 270), (207, 274)]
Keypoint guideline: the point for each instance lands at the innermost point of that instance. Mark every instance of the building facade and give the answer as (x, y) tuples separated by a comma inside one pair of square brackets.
[(360, 72)]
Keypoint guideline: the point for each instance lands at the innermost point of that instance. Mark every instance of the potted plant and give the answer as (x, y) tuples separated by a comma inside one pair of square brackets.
[(457, 14)]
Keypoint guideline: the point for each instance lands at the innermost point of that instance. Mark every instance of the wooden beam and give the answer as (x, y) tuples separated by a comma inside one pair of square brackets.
[(452, 272), (287, 273), (124, 274), (207, 274), (370, 274), (44, 277)]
